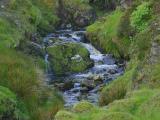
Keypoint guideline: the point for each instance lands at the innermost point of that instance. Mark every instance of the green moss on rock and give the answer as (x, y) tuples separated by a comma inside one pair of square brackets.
[(65, 115), (132, 101), (83, 106), (68, 58), (116, 116)]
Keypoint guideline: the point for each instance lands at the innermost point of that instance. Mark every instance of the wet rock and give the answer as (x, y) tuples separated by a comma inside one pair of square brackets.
[(97, 78), (84, 89), (112, 71), (75, 90), (64, 86), (88, 83)]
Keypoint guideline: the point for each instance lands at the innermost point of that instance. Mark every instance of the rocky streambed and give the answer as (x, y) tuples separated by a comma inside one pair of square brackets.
[(86, 84)]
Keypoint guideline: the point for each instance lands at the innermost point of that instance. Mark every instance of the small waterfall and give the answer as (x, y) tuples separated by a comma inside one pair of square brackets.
[(48, 70), (47, 64)]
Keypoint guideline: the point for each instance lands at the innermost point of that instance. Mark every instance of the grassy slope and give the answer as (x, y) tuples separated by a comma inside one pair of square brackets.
[(18, 20), (104, 33)]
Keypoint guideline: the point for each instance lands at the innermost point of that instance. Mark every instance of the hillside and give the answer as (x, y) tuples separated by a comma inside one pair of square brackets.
[(103, 53)]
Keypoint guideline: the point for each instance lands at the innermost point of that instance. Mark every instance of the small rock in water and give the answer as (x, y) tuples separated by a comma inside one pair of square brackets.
[(68, 25), (98, 79), (84, 90), (77, 85), (2, 6), (112, 71)]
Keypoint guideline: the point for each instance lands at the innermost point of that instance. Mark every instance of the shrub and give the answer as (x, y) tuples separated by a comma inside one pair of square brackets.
[(141, 16), (9, 106)]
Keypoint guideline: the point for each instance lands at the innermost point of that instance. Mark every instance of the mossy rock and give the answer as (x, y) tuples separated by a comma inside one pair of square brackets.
[(132, 101), (65, 115), (83, 106), (69, 58), (115, 116)]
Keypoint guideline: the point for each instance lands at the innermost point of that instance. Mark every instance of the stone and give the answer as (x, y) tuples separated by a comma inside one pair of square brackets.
[(88, 83), (66, 58), (83, 106), (78, 58)]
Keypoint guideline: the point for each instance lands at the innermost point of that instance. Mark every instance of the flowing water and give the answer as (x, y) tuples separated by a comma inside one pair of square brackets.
[(85, 85)]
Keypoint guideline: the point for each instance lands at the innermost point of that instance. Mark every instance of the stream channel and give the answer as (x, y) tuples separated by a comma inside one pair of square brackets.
[(85, 85)]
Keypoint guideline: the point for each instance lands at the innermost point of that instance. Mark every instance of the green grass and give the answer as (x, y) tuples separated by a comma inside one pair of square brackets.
[(116, 89), (19, 72), (9, 33), (103, 33), (25, 79)]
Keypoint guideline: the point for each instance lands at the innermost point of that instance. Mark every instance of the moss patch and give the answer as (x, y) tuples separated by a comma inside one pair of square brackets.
[(83, 106), (69, 58), (64, 115)]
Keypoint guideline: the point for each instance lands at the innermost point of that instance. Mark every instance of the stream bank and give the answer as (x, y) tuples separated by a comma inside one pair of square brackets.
[(87, 84)]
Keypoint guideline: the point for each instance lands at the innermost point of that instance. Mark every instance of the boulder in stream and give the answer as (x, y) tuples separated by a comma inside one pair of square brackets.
[(68, 58)]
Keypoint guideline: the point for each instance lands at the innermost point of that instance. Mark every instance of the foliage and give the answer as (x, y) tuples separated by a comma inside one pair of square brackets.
[(141, 16), (9, 105), (103, 33), (24, 79)]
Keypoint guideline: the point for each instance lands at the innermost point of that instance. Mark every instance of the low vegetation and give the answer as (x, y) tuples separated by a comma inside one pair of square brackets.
[(130, 33), (26, 97)]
